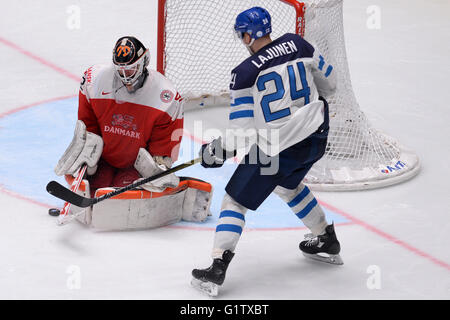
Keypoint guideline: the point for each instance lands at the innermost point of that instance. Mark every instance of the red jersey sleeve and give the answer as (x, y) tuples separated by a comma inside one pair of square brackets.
[(87, 115)]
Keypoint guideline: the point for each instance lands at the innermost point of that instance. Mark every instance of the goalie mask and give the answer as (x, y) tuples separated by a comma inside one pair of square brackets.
[(130, 59)]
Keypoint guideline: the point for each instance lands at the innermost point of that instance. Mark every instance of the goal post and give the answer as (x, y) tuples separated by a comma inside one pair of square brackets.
[(197, 51)]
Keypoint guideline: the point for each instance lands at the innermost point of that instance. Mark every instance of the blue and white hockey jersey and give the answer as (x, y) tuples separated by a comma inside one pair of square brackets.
[(276, 91)]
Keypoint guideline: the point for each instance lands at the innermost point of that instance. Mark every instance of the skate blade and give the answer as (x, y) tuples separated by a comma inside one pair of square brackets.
[(331, 258), (209, 288)]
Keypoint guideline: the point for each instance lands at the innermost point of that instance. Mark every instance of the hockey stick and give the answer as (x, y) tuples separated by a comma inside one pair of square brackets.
[(61, 192), (62, 218)]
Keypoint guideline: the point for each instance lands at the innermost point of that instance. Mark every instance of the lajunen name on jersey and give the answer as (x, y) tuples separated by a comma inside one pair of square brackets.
[(122, 132), (273, 52)]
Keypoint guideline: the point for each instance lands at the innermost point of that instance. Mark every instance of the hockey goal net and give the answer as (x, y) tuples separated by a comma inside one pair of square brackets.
[(197, 51)]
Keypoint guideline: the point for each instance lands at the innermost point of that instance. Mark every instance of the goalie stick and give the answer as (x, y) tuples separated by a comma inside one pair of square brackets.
[(64, 216), (61, 192)]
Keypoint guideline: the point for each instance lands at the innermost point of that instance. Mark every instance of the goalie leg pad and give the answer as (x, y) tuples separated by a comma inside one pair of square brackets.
[(141, 209), (196, 205), (132, 211)]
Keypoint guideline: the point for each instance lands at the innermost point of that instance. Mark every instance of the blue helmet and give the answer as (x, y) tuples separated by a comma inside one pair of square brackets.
[(255, 21)]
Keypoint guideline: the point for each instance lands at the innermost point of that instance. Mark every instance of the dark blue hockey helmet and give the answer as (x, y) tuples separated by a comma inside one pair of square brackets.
[(255, 21)]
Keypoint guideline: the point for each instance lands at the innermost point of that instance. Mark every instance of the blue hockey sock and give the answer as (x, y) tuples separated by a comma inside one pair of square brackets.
[(305, 206), (229, 227)]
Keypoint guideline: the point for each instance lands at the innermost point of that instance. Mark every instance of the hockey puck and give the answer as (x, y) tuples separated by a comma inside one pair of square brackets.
[(53, 212)]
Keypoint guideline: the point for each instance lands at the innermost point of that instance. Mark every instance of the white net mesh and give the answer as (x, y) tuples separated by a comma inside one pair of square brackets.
[(200, 48), (200, 52)]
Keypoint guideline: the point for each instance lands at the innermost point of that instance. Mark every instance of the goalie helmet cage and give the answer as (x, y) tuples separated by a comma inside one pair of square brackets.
[(197, 51)]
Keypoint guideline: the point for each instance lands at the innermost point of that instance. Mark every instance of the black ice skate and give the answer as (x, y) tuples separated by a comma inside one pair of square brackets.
[(208, 280), (323, 248)]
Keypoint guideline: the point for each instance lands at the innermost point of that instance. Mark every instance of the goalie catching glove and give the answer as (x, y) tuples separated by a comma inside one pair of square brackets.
[(148, 166), (86, 147)]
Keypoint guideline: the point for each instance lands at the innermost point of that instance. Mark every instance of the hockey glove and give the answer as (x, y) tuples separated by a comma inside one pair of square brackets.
[(213, 155), (86, 147), (148, 166)]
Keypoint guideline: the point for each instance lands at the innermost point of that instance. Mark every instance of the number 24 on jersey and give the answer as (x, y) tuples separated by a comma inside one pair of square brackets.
[(304, 92)]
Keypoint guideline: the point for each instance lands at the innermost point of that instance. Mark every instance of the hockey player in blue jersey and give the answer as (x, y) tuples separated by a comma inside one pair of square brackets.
[(281, 88)]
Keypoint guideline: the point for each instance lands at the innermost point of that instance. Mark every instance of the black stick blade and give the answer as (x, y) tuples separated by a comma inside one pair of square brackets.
[(61, 192)]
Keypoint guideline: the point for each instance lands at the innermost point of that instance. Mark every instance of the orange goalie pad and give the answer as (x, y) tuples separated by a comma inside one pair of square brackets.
[(185, 182)]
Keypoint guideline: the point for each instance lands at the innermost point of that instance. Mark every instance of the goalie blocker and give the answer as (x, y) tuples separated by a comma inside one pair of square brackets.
[(142, 209)]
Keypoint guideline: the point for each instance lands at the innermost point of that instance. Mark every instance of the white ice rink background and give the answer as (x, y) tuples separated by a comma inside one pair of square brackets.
[(394, 240)]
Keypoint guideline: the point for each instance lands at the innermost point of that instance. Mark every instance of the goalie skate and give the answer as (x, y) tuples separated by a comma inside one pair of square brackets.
[(323, 248)]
